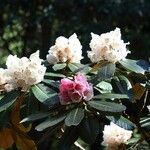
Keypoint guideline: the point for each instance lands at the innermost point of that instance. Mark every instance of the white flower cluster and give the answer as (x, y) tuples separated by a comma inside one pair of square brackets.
[(114, 136), (22, 72), (108, 46), (65, 50)]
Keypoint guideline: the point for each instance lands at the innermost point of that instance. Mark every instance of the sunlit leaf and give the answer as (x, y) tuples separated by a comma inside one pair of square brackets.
[(51, 121), (54, 75), (59, 66), (138, 66), (107, 106), (74, 117), (110, 96), (34, 117)]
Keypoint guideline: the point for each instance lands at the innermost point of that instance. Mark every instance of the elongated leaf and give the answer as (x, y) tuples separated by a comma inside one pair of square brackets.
[(74, 66), (51, 121), (89, 129), (122, 122), (107, 106), (51, 82), (45, 95), (110, 96), (138, 66), (54, 75), (34, 117), (8, 100), (106, 72), (74, 117), (59, 66), (145, 121)]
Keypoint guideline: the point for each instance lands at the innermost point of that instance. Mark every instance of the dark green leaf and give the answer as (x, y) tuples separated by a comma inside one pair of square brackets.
[(122, 122), (74, 117), (138, 66), (45, 95), (107, 106), (110, 96), (8, 100), (89, 129), (59, 66), (106, 72), (54, 75), (51, 121), (51, 82), (34, 117)]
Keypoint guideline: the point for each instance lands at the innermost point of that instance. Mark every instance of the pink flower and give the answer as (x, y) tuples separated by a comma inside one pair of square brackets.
[(75, 91)]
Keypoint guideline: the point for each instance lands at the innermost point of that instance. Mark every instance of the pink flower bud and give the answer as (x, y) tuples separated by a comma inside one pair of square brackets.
[(75, 91)]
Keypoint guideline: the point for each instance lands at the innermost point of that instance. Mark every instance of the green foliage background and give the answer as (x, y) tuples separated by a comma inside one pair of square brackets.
[(28, 25)]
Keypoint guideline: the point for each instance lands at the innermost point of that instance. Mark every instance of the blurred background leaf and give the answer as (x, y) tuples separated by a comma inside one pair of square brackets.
[(26, 26)]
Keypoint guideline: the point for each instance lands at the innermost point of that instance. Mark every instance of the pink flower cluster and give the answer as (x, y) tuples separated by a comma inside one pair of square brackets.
[(75, 91)]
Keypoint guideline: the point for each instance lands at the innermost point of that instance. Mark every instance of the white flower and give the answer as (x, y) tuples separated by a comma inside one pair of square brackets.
[(108, 46), (65, 50), (114, 136), (23, 72), (2, 76)]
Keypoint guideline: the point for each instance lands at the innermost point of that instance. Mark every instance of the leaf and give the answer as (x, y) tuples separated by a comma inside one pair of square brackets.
[(15, 116), (122, 122), (89, 129), (45, 95), (34, 117), (122, 85), (74, 66), (54, 75), (106, 72), (6, 139), (21, 139), (69, 137), (51, 83), (8, 100), (138, 91), (138, 66), (107, 106), (51, 121), (110, 96), (59, 66), (24, 143), (145, 121), (74, 117)]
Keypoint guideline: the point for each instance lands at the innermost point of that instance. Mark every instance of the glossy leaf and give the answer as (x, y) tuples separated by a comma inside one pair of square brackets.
[(122, 122), (110, 96), (106, 72), (34, 117), (138, 66), (59, 66), (8, 100), (74, 117), (54, 75), (107, 106), (45, 94), (51, 121)]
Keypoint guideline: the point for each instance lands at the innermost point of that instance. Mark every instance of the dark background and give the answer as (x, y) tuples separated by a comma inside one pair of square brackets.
[(28, 25)]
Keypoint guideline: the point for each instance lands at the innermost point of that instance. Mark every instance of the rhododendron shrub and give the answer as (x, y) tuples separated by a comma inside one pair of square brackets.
[(102, 104)]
